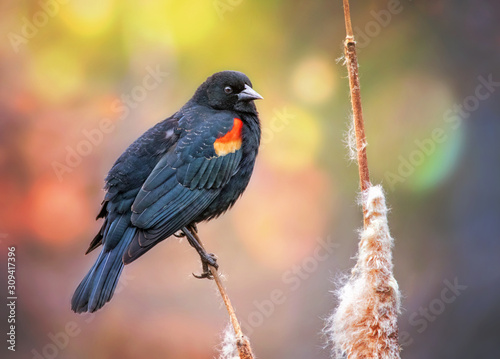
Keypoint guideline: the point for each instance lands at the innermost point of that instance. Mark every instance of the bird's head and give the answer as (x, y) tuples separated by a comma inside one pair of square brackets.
[(228, 90)]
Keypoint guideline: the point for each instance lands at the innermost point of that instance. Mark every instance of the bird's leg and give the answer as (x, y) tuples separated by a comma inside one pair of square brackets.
[(207, 259), (181, 234)]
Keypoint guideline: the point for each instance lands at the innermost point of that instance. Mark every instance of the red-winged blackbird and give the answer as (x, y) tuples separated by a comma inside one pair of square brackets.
[(189, 168)]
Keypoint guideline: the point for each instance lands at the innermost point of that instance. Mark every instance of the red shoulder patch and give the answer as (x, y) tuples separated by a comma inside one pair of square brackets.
[(231, 141)]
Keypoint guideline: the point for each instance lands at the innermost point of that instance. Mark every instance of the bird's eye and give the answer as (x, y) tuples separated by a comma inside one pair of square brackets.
[(228, 89)]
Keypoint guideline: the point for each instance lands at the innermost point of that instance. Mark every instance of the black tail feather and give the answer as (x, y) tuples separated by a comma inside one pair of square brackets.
[(98, 286)]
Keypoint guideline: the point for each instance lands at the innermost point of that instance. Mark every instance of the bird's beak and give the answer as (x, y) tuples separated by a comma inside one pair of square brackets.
[(249, 94)]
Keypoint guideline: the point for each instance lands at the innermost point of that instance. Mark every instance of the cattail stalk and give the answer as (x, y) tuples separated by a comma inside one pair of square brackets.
[(240, 341), (357, 110), (364, 325)]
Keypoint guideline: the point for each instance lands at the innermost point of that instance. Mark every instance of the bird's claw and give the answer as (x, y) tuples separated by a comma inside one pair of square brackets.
[(209, 259), (207, 275)]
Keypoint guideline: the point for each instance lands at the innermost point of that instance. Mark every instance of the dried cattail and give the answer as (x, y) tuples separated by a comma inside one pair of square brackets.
[(228, 349), (350, 142), (364, 325), (234, 347)]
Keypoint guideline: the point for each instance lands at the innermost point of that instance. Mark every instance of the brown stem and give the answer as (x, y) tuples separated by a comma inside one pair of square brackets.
[(357, 111), (227, 302), (347, 17), (242, 343)]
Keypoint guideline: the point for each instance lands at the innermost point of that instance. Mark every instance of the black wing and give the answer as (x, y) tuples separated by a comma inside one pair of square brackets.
[(183, 183), (130, 170)]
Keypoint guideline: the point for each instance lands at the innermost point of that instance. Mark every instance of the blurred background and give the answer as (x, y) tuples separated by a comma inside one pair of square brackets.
[(80, 80)]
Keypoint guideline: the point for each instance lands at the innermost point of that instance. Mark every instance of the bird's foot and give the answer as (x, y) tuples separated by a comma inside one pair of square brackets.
[(203, 275), (207, 259)]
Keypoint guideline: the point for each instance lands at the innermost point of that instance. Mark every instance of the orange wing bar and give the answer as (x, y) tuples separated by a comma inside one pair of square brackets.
[(231, 141)]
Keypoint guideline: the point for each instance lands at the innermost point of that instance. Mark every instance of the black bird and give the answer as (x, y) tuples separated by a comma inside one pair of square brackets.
[(189, 168)]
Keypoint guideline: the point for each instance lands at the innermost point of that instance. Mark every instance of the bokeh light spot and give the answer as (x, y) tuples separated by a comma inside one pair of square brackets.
[(313, 80), (282, 231), (59, 212), (56, 73), (192, 23), (441, 163), (293, 145), (89, 17), (402, 130), (174, 22)]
